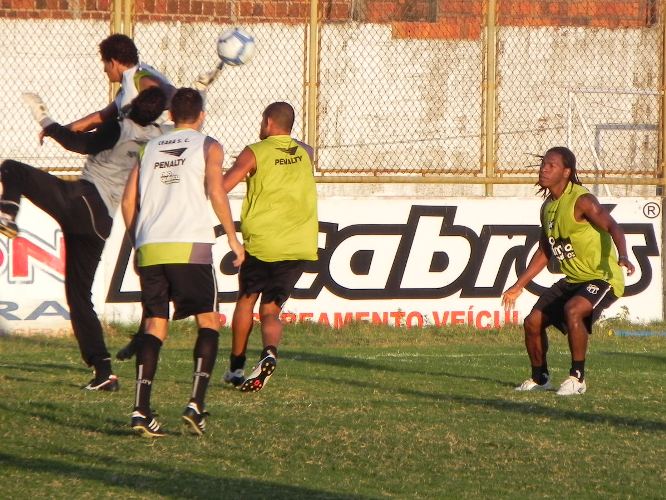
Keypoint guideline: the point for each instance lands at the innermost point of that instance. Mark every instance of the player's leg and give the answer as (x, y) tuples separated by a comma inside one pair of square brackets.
[(253, 276), (44, 190), (194, 292), (155, 301), (579, 312), (283, 278), (81, 261), (242, 323), (536, 344), (547, 311), (129, 350)]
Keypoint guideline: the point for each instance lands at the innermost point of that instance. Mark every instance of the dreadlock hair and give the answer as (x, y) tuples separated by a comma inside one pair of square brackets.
[(568, 160)]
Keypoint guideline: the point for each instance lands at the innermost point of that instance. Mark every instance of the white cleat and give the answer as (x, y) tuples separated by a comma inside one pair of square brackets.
[(531, 385), (572, 386)]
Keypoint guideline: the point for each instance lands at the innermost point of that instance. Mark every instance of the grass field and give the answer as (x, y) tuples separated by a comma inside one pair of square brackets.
[(362, 412)]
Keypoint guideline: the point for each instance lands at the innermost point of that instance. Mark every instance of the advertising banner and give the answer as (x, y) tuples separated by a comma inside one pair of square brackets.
[(401, 262)]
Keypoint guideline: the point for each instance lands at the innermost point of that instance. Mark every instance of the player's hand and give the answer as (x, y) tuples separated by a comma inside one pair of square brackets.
[(626, 263), (38, 109), (239, 250), (509, 297), (205, 79)]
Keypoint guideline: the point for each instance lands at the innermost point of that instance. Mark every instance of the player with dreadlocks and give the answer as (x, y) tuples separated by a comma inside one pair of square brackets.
[(583, 237)]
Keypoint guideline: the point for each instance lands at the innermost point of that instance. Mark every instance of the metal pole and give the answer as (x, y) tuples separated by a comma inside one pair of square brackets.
[(450, 179), (313, 78), (116, 27), (490, 93), (128, 10), (660, 189)]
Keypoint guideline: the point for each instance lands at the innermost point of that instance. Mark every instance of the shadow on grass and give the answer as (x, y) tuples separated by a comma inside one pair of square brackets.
[(61, 415), (636, 356), (174, 482), (528, 408), (387, 367)]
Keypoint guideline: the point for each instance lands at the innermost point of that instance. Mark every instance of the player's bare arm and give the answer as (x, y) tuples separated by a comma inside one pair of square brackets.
[(588, 208), (537, 263), (150, 81), (129, 201), (245, 164), (95, 119), (218, 197)]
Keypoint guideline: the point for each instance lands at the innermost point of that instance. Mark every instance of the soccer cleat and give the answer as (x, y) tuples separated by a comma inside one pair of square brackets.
[(128, 351), (260, 375), (572, 386), (235, 378), (195, 419), (146, 426), (7, 226), (109, 384), (531, 385)]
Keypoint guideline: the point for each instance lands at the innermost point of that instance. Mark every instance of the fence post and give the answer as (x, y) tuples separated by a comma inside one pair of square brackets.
[(662, 159), (313, 79), (490, 90), (128, 11), (121, 22)]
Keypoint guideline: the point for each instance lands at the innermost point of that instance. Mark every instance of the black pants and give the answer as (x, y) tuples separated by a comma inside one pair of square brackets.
[(85, 222)]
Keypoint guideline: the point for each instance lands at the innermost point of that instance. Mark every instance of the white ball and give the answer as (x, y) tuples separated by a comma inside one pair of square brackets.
[(235, 46)]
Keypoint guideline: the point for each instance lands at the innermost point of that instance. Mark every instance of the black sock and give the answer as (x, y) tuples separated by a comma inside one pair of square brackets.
[(578, 370), (147, 355), (269, 349), (205, 354), (236, 362), (102, 368), (540, 374)]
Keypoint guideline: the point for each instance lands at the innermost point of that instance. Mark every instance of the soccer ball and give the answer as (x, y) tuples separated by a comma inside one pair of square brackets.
[(235, 46)]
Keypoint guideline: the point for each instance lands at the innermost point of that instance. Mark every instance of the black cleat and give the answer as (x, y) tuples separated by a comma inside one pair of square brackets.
[(195, 419), (7, 226), (146, 426), (109, 384), (260, 375), (129, 350)]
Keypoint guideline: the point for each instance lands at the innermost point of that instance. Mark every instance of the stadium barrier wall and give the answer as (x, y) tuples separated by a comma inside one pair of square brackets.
[(399, 261)]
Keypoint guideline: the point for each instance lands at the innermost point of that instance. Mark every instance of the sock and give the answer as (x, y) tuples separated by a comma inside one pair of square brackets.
[(269, 349), (540, 374), (236, 362), (205, 354), (578, 370), (102, 368), (147, 355)]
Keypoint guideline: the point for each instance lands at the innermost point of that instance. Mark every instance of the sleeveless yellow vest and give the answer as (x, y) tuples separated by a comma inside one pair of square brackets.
[(279, 215), (585, 252)]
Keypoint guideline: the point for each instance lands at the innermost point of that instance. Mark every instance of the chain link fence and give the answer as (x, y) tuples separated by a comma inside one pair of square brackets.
[(427, 87)]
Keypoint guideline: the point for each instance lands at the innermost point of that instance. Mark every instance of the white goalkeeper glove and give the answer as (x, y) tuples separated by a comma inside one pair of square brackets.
[(205, 79), (38, 109)]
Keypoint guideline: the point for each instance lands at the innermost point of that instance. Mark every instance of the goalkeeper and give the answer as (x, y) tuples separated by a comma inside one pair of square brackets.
[(83, 208)]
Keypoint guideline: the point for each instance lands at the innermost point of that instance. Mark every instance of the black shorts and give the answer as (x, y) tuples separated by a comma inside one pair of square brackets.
[(273, 280), (598, 292), (191, 287)]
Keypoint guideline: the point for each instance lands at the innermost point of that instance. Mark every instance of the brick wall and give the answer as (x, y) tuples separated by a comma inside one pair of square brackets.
[(593, 13), (55, 9), (448, 19)]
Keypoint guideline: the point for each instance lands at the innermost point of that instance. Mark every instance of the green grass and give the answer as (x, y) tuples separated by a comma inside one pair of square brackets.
[(362, 412)]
